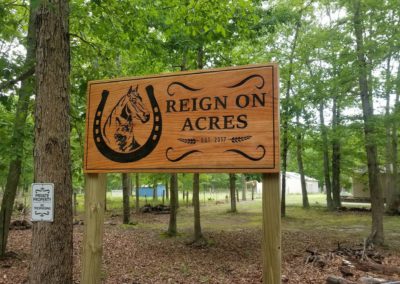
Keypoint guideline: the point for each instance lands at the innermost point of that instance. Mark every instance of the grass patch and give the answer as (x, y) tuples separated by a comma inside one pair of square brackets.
[(217, 217)]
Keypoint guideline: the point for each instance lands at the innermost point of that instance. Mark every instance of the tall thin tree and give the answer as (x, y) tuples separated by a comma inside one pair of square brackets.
[(137, 197), (173, 205), (300, 164), (377, 205), (232, 190), (393, 203), (126, 190), (198, 235), (286, 117), (336, 154)]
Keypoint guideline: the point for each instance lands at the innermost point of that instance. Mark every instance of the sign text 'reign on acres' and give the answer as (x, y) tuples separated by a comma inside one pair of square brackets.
[(219, 120)]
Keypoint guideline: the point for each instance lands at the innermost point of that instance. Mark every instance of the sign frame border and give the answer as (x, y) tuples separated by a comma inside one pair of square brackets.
[(275, 126)]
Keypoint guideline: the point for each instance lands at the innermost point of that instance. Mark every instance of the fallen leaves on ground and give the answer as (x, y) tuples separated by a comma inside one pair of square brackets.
[(142, 254)]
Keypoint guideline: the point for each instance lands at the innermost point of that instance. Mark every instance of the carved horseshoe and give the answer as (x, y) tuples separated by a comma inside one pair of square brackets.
[(136, 154)]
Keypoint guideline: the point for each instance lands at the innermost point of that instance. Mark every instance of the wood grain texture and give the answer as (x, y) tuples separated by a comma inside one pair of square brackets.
[(94, 226), (271, 242), (215, 120)]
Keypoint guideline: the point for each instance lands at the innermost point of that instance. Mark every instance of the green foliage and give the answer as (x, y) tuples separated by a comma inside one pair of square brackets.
[(127, 38)]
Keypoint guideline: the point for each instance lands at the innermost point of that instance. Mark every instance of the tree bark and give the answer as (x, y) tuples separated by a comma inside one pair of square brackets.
[(75, 201), (137, 198), (52, 258), (336, 155), (232, 189), (198, 235), (126, 189), (377, 206), (17, 140), (173, 205)]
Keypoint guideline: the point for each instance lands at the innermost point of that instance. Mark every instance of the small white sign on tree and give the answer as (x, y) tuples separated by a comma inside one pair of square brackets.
[(42, 202)]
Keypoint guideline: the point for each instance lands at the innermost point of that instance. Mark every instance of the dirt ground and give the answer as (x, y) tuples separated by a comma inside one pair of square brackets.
[(141, 254)]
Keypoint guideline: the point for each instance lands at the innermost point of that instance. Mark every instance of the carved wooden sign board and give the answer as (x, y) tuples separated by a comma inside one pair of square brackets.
[(218, 120)]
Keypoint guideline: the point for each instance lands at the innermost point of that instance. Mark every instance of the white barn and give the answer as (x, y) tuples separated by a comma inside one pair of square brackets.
[(293, 184)]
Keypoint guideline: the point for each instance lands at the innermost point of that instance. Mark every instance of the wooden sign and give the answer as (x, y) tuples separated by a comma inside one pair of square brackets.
[(219, 120)]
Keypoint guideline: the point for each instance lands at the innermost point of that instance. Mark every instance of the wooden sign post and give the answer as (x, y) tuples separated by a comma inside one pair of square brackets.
[(219, 120)]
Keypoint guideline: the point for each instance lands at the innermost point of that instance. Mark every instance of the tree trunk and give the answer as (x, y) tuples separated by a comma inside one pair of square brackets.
[(17, 140), (325, 150), (299, 152), (244, 187), (388, 147), (196, 176), (51, 257), (393, 198), (285, 119), (126, 189), (167, 189), (75, 204), (325, 153), (336, 155), (377, 206), (196, 205), (155, 193), (137, 198), (105, 201), (173, 205), (232, 189)]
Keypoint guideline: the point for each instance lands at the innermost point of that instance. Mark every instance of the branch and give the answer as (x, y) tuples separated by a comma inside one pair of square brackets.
[(86, 41), (21, 77)]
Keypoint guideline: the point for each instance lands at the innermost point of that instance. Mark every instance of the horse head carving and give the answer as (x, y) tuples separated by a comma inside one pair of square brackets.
[(116, 139)]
